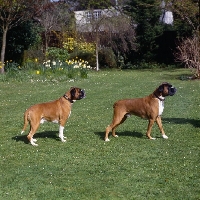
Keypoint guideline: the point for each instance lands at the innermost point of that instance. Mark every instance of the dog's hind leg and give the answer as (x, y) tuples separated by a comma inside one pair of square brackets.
[(116, 125), (116, 122), (25, 121), (31, 133)]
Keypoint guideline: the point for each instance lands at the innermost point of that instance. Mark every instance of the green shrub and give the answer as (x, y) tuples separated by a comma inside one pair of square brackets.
[(54, 53), (53, 71), (107, 58), (33, 56), (84, 55)]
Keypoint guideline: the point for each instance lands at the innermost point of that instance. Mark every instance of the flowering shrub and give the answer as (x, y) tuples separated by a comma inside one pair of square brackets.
[(83, 50), (12, 71), (48, 70), (72, 68)]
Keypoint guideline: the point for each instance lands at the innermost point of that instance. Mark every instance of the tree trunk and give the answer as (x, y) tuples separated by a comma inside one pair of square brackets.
[(97, 57), (3, 49), (45, 46), (97, 51)]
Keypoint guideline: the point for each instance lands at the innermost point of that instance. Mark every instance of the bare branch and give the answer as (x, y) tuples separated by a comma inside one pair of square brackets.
[(188, 54)]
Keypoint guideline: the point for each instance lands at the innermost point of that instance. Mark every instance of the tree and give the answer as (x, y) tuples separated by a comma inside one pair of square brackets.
[(188, 47), (19, 39), (93, 4), (54, 18), (107, 28), (187, 11), (13, 13), (146, 14), (188, 54)]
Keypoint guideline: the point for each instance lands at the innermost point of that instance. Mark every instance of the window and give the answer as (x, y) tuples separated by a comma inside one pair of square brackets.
[(95, 15), (88, 16)]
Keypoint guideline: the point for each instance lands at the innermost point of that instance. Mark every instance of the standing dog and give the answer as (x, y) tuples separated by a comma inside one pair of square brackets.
[(149, 107), (57, 111)]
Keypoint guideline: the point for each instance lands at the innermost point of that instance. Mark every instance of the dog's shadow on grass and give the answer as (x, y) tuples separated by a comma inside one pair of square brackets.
[(124, 133), (44, 134), (194, 122)]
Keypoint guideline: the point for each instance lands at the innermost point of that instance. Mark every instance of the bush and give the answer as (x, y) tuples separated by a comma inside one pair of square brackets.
[(53, 71), (84, 55), (32, 55), (54, 54), (107, 58)]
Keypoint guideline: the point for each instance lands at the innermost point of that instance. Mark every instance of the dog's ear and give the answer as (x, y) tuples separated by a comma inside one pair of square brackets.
[(166, 83), (161, 88), (72, 91)]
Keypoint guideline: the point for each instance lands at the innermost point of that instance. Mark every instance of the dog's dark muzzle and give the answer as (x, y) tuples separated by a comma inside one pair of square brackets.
[(172, 91), (82, 94)]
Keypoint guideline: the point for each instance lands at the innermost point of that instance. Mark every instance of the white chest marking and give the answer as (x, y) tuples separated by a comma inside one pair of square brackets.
[(69, 114), (42, 121), (161, 107)]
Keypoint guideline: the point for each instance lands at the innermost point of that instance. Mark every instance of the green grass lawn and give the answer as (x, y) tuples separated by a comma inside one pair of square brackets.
[(86, 167)]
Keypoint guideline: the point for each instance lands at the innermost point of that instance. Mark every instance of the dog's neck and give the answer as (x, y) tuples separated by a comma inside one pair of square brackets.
[(161, 98), (70, 100)]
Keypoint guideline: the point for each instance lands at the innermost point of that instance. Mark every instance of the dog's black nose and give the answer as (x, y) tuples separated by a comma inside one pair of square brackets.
[(172, 91), (82, 93)]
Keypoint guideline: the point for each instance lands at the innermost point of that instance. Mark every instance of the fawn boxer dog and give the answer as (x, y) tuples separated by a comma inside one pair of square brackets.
[(149, 107), (57, 111)]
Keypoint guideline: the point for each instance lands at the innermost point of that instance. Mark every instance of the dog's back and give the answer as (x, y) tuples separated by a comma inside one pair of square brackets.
[(130, 106)]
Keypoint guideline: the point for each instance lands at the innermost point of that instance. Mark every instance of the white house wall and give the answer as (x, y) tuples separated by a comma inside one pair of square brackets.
[(82, 23)]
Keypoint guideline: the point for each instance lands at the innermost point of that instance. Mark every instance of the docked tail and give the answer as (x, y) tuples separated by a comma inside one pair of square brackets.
[(25, 121)]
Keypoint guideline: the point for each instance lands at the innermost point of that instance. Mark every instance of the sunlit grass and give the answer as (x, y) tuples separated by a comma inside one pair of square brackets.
[(86, 167)]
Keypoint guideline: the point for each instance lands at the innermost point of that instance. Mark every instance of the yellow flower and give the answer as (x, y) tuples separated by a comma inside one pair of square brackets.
[(37, 72), (36, 59)]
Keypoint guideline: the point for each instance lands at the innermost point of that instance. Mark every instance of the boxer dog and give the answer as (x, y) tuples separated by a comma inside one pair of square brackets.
[(149, 107), (57, 111)]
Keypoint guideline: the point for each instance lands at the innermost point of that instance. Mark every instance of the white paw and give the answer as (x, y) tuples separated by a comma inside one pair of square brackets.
[(107, 140), (22, 132), (63, 140), (116, 136), (33, 142), (164, 136), (152, 138)]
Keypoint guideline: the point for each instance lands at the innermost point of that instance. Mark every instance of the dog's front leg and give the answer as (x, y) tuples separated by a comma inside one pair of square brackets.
[(159, 123), (61, 136), (150, 125)]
